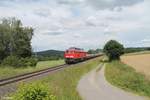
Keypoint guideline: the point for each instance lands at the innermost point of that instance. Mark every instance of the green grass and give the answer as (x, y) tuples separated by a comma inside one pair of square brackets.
[(63, 83), (127, 78), (11, 71)]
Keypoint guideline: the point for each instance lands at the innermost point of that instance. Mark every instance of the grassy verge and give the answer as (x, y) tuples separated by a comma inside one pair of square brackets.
[(127, 78), (63, 83), (11, 71)]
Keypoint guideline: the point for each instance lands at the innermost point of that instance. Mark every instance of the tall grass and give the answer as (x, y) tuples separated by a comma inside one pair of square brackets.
[(127, 78), (63, 83), (11, 71), (33, 91)]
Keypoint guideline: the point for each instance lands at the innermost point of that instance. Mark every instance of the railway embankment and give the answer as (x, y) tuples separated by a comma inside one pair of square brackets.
[(63, 83), (9, 71)]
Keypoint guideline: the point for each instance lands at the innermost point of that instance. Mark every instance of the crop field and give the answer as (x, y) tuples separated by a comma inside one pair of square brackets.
[(127, 78), (139, 62)]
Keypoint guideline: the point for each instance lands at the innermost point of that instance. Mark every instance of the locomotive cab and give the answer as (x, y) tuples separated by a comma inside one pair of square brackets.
[(73, 55)]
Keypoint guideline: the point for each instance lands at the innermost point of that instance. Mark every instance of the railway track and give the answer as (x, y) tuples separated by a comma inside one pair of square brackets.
[(32, 74), (29, 75)]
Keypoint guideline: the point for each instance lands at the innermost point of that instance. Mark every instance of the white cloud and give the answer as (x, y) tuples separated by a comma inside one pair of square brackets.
[(111, 4), (60, 24)]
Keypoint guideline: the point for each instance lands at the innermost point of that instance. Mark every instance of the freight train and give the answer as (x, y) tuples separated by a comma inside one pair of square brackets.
[(74, 55)]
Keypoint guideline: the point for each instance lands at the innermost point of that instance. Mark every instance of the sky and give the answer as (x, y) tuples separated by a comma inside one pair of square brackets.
[(88, 24)]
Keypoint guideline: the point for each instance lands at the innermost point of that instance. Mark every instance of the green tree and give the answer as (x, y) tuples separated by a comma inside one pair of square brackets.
[(91, 51), (14, 39), (113, 50), (4, 39)]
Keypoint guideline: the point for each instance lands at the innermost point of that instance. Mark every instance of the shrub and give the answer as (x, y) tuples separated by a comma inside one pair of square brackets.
[(34, 91), (113, 50), (30, 61), (11, 61), (15, 61)]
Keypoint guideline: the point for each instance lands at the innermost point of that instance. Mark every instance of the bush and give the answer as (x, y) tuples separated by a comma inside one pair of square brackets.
[(15, 61), (30, 61), (11, 61), (113, 50), (34, 91)]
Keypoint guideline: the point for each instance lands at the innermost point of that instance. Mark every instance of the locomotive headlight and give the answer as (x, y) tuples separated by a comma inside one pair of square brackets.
[(71, 56)]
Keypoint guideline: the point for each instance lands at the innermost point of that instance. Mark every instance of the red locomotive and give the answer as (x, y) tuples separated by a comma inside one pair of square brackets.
[(73, 55)]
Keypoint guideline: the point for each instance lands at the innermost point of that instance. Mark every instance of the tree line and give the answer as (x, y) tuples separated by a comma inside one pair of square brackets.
[(136, 49), (15, 39), (92, 51)]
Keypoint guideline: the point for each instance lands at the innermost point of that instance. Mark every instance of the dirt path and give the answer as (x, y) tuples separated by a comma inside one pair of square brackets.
[(94, 86)]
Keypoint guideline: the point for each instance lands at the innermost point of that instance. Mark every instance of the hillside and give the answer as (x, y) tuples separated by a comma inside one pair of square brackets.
[(49, 54)]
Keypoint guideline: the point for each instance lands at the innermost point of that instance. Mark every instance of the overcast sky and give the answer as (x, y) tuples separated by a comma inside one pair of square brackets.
[(60, 24)]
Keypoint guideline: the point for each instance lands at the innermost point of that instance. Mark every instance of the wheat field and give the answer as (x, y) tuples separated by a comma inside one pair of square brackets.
[(139, 62)]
